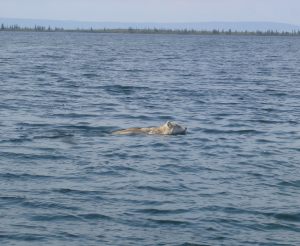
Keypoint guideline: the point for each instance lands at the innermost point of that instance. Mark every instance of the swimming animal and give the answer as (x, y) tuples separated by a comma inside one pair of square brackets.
[(169, 128)]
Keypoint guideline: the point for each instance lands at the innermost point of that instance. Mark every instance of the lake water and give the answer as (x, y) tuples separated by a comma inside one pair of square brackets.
[(234, 179)]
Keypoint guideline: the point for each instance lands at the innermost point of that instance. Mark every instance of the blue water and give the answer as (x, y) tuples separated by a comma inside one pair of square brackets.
[(234, 179)]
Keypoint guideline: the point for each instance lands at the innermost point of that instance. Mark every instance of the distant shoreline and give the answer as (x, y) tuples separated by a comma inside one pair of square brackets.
[(16, 28)]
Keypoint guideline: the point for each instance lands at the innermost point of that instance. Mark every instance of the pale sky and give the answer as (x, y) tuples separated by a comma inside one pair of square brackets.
[(287, 11)]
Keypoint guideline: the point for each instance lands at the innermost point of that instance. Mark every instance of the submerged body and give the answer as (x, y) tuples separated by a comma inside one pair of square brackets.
[(169, 128)]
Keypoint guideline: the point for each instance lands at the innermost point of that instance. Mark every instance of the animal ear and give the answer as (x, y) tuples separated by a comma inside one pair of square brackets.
[(169, 124)]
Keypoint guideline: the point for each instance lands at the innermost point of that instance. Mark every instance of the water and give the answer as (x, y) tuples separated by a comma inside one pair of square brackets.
[(232, 180)]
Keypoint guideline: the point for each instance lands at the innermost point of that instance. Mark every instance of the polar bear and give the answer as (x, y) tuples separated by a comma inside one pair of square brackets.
[(169, 128)]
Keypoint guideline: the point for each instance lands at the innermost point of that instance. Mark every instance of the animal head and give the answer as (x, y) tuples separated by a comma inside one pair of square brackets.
[(173, 128)]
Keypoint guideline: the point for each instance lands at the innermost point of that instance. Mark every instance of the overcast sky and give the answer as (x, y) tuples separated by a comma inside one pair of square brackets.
[(287, 11)]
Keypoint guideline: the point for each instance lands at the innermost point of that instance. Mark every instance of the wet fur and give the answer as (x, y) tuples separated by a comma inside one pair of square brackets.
[(169, 128)]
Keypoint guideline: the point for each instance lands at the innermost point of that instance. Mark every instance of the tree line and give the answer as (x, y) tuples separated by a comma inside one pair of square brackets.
[(38, 28)]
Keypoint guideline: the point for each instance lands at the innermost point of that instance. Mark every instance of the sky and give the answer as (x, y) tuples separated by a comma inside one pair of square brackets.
[(285, 11)]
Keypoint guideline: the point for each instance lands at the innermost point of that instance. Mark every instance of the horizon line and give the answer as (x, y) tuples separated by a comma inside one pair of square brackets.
[(148, 22), (16, 28)]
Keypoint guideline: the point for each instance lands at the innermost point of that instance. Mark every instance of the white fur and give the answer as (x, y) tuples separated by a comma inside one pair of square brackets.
[(169, 128)]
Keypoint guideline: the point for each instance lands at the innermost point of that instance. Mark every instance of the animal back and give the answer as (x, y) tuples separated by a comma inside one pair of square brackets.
[(134, 130)]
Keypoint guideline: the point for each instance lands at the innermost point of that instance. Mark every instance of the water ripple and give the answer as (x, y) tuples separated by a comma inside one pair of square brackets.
[(65, 179)]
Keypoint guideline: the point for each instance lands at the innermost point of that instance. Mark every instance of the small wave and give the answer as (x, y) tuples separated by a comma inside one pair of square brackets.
[(17, 140), (52, 131), (123, 89), (95, 216), (24, 237), (295, 183), (69, 235), (90, 75), (23, 176), (161, 211), (262, 121), (232, 210), (187, 75), (107, 173), (54, 136), (48, 205), (245, 131), (72, 191), (295, 217), (57, 217), (278, 226), (262, 140), (170, 222), (152, 188), (294, 149), (84, 128), (276, 93), (184, 169), (135, 117), (125, 168), (163, 189), (12, 199), (159, 145), (70, 217), (31, 124), (74, 115), (55, 57), (135, 70), (193, 244), (24, 156)]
